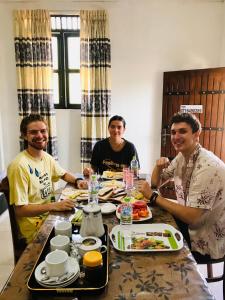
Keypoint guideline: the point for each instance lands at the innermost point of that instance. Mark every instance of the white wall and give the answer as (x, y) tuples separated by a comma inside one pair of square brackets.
[(148, 37)]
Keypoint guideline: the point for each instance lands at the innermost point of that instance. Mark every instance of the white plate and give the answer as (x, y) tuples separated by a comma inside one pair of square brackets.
[(112, 175), (107, 208), (139, 238), (74, 193), (113, 183), (73, 268), (136, 221)]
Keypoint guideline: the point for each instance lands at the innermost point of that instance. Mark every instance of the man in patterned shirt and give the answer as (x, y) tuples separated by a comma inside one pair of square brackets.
[(199, 178)]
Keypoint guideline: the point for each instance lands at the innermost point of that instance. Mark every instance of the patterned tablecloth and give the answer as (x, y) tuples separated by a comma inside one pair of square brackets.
[(139, 276)]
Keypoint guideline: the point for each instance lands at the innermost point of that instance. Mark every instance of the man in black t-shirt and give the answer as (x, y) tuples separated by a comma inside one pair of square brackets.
[(112, 153)]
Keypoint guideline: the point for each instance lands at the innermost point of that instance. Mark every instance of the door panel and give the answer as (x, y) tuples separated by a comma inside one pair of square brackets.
[(196, 87)]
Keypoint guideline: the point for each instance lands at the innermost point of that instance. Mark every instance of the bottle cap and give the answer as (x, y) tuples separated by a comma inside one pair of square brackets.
[(127, 199), (94, 177), (92, 259)]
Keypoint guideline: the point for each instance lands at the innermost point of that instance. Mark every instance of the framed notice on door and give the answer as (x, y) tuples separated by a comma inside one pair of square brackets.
[(194, 109)]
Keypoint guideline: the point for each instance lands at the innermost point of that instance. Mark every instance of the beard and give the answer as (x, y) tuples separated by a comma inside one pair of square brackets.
[(38, 146)]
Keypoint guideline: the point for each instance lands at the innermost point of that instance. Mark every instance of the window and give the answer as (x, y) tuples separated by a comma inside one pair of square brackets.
[(66, 61)]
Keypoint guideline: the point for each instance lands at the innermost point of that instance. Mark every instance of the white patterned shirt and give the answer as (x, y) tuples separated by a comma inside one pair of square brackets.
[(200, 183)]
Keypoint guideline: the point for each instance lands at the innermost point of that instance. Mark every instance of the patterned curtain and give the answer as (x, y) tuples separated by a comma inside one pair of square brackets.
[(95, 80), (32, 29)]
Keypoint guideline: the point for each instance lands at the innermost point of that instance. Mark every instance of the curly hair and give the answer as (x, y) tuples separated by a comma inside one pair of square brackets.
[(188, 118), (29, 119)]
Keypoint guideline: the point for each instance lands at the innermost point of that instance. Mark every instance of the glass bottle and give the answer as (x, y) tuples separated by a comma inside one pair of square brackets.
[(93, 189), (134, 166), (126, 211)]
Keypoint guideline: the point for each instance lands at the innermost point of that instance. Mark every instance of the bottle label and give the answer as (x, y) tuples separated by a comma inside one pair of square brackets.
[(126, 214)]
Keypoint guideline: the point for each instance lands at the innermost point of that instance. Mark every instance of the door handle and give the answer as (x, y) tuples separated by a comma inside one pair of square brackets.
[(163, 136)]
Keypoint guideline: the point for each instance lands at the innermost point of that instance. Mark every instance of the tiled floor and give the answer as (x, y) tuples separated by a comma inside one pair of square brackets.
[(6, 258), (215, 287)]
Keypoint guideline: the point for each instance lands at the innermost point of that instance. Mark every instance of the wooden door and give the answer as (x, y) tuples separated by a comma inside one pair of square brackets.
[(204, 87)]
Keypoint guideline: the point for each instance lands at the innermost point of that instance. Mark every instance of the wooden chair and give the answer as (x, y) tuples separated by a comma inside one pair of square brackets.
[(209, 263), (19, 244)]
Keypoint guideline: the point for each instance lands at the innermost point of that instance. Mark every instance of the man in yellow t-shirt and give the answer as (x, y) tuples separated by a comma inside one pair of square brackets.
[(31, 175)]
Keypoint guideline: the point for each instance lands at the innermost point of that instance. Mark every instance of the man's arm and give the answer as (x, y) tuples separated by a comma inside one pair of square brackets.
[(189, 215), (32, 210), (161, 164), (79, 183)]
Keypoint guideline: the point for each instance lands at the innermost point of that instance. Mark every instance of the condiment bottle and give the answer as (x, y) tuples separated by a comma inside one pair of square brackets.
[(93, 266)]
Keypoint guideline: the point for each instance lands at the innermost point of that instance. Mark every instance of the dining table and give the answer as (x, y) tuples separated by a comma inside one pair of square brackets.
[(171, 275)]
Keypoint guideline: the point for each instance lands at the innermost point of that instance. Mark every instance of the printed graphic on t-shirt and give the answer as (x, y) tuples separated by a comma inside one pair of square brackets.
[(45, 185), (112, 166)]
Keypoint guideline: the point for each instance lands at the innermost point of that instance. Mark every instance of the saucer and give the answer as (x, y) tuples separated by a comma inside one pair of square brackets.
[(73, 267), (107, 208)]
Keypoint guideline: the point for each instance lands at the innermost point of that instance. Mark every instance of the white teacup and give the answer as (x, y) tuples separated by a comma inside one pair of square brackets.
[(60, 242), (90, 243), (63, 228), (56, 263)]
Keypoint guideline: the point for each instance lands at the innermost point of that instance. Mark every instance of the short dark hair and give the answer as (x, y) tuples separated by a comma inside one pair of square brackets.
[(29, 119), (188, 118), (117, 118)]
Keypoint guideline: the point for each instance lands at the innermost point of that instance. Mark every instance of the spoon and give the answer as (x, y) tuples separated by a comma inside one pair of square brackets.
[(57, 279)]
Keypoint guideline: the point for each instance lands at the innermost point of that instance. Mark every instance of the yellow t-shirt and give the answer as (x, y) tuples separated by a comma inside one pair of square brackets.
[(31, 182)]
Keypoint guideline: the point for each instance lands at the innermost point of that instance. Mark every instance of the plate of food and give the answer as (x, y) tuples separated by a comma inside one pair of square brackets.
[(141, 212), (74, 194), (111, 193), (112, 183), (146, 238), (112, 175)]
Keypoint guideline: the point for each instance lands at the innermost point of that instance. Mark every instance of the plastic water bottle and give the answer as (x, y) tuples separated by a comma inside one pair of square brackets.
[(134, 166), (126, 211), (93, 189)]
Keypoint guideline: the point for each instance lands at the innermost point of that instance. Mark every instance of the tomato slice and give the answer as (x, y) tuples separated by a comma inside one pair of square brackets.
[(135, 216)]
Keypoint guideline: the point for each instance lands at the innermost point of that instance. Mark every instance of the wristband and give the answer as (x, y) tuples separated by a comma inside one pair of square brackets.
[(153, 198), (76, 180)]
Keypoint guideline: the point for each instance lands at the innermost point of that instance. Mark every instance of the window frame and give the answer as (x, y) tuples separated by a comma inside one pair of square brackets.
[(63, 68)]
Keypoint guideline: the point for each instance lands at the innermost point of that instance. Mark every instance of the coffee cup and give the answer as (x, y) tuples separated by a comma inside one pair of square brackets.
[(60, 242), (63, 228), (56, 263), (91, 243)]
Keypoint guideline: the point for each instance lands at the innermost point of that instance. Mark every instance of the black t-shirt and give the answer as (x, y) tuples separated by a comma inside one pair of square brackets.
[(105, 158)]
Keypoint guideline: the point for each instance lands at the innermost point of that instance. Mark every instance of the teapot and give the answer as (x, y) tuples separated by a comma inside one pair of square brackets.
[(92, 224)]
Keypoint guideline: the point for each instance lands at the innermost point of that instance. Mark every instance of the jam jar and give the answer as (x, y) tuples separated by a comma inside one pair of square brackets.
[(93, 267)]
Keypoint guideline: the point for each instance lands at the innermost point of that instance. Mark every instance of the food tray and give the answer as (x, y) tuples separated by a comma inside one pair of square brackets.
[(80, 285), (146, 238)]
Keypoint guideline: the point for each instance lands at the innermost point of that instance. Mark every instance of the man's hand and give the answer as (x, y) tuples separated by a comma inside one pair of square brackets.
[(162, 163), (87, 172), (63, 205), (144, 188), (82, 184)]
